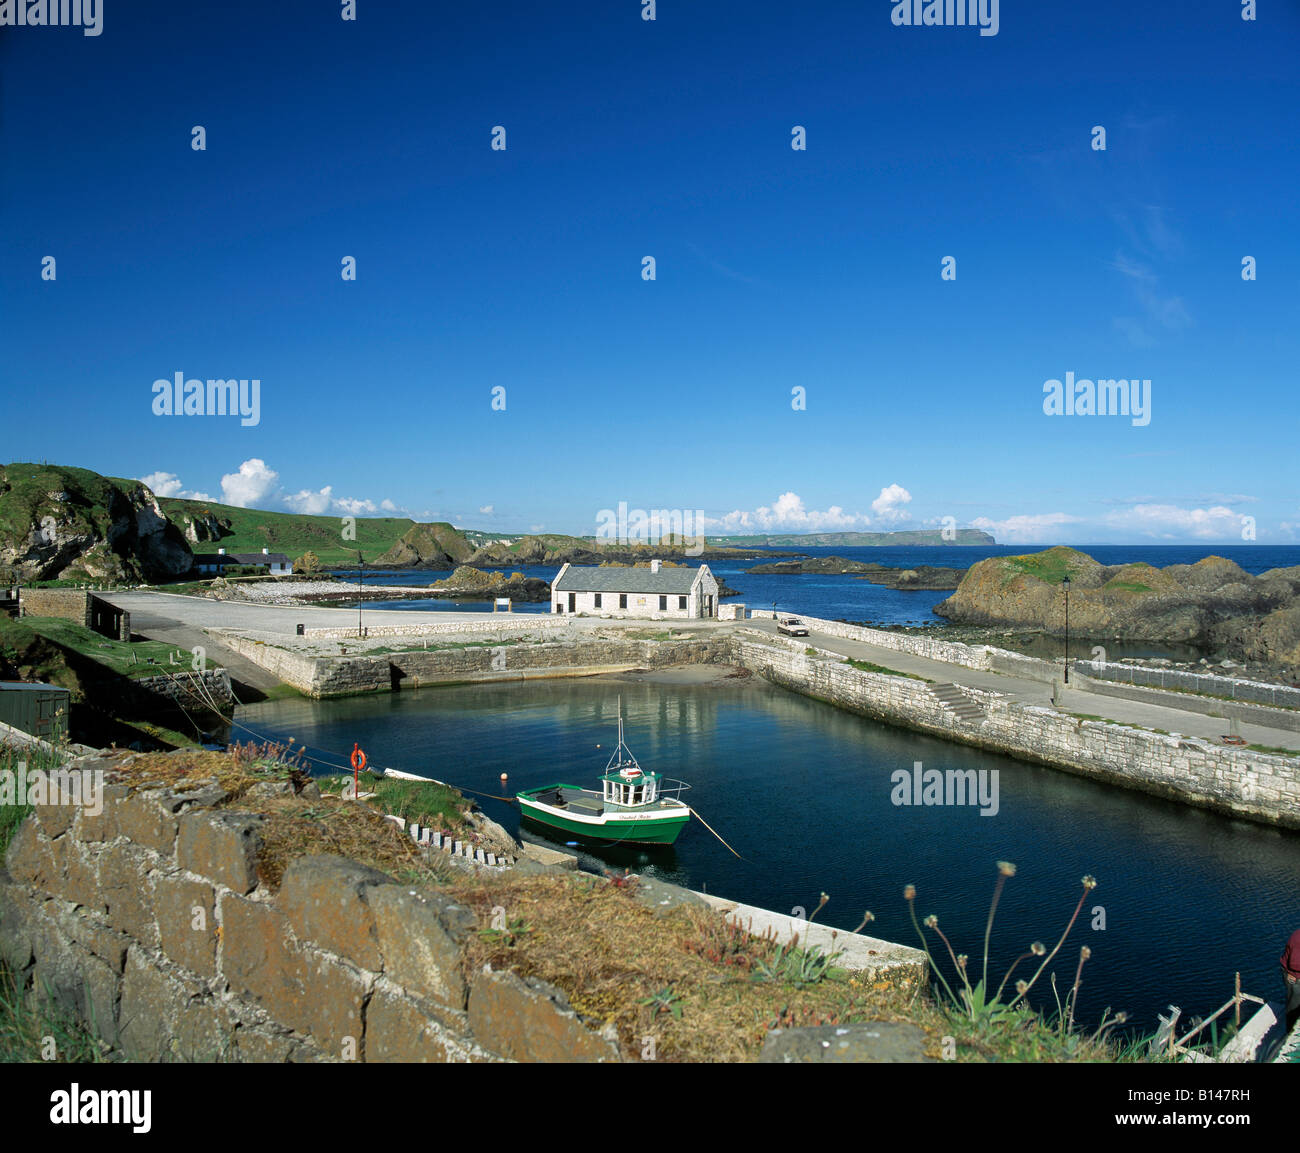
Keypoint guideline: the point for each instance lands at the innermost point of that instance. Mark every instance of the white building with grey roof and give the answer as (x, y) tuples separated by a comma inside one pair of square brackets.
[(674, 592)]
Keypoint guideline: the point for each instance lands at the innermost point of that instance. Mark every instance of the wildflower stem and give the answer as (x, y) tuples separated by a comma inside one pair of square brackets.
[(1073, 998), (998, 995), (1046, 960), (911, 908), (962, 972), (988, 928)]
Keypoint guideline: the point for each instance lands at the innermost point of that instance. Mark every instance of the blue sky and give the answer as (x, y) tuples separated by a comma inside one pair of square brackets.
[(775, 268)]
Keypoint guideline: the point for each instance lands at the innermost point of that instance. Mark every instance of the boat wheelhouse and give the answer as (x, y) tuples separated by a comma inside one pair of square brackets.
[(632, 806)]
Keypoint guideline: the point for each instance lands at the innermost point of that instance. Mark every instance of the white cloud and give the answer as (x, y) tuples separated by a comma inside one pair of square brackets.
[(1169, 522), (310, 503), (1034, 528), (253, 483), (788, 514), (162, 483), (486, 509), (1159, 521), (257, 485), (350, 506), (169, 484), (888, 505)]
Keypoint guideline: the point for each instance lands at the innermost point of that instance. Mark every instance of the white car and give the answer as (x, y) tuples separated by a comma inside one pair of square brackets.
[(791, 627)]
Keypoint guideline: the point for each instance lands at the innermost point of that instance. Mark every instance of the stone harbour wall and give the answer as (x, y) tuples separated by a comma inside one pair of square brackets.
[(185, 687), (951, 652), (150, 921), (1260, 786), (493, 623), (350, 675)]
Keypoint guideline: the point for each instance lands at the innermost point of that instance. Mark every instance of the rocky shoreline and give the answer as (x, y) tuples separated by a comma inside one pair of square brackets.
[(928, 578)]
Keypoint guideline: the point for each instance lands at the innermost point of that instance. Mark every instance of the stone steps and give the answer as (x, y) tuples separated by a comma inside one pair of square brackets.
[(956, 702), (434, 840)]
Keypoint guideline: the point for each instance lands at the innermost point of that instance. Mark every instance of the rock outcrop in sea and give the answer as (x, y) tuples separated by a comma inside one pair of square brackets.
[(1213, 603)]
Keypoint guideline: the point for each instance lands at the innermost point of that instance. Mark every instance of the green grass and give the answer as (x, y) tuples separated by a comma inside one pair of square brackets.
[(129, 658), (870, 667), (42, 1032), (11, 816), (1126, 586), (425, 804), (1052, 565), (291, 533)]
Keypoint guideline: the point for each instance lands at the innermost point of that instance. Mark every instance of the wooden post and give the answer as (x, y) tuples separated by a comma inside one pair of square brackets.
[(1236, 997)]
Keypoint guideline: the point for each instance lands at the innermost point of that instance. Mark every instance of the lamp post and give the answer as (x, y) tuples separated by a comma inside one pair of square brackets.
[(361, 576), (1065, 584)]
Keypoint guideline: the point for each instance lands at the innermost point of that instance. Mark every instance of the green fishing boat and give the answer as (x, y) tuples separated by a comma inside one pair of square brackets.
[(631, 806)]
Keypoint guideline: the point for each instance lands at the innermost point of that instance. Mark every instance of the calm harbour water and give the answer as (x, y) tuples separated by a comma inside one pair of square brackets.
[(802, 791)]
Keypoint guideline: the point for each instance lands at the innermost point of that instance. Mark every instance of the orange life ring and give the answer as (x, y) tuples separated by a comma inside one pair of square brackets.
[(358, 758)]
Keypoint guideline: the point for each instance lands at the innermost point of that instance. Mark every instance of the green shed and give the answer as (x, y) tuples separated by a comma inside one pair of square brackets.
[(39, 709)]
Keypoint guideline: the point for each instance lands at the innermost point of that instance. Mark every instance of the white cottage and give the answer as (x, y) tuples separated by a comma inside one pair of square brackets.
[(657, 593)]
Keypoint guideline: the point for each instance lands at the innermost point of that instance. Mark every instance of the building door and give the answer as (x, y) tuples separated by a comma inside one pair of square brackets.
[(573, 601)]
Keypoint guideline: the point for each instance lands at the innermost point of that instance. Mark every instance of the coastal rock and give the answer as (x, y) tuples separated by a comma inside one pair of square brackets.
[(930, 577), (1211, 602), (438, 545), (468, 581)]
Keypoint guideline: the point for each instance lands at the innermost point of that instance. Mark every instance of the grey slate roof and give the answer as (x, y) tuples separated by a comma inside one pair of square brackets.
[(240, 558), (260, 558), (594, 579)]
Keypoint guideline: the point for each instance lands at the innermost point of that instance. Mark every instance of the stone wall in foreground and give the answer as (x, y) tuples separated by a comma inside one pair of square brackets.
[(150, 921)]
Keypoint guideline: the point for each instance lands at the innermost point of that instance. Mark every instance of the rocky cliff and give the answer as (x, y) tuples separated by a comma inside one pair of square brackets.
[(73, 524)]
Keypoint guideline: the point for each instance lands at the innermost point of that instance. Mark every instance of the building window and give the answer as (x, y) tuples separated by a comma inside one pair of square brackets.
[(681, 603), (663, 604), (622, 600), (597, 600)]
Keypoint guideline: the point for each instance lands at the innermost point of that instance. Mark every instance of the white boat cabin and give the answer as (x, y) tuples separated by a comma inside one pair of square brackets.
[(630, 786)]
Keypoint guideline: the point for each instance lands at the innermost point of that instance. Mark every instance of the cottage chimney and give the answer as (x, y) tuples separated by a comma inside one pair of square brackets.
[(654, 566)]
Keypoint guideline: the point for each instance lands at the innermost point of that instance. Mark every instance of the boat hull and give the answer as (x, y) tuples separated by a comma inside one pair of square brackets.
[(647, 828)]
